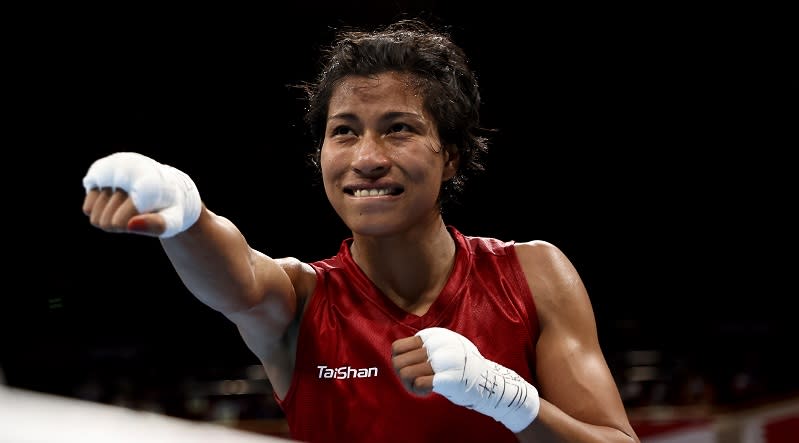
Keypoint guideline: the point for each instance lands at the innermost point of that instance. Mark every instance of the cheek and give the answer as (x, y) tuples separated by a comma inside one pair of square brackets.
[(325, 162), (331, 166)]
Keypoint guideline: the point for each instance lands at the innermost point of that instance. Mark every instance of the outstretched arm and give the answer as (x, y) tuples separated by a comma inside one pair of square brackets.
[(131, 193)]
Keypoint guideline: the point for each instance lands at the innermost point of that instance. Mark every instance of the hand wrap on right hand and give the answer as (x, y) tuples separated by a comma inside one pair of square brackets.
[(468, 379), (153, 187)]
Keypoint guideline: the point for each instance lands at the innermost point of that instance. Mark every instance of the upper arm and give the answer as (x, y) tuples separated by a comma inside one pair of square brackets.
[(261, 295), (570, 367), (267, 324)]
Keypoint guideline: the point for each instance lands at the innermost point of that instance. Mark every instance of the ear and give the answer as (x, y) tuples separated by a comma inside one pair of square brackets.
[(451, 162)]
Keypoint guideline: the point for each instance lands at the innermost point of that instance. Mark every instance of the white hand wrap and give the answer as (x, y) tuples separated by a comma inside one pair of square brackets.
[(153, 187), (468, 379)]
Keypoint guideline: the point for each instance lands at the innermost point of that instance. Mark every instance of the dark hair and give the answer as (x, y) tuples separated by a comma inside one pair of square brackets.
[(446, 82)]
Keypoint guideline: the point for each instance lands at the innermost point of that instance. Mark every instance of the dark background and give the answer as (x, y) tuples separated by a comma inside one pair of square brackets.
[(653, 145)]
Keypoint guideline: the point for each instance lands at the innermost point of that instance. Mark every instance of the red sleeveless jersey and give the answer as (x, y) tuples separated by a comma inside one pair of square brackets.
[(344, 388)]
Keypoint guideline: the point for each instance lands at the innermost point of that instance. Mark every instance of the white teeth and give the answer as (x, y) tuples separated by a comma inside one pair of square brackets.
[(370, 192)]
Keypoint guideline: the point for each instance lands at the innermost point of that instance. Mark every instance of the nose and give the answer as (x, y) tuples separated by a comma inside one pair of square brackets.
[(371, 157)]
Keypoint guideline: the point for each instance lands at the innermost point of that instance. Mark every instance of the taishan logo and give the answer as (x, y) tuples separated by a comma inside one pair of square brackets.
[(346, 372)]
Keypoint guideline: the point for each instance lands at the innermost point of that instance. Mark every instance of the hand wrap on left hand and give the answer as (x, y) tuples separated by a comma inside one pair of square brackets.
[(466, 378)]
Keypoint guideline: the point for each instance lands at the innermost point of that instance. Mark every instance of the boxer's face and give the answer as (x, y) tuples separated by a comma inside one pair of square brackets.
[(382, 161)]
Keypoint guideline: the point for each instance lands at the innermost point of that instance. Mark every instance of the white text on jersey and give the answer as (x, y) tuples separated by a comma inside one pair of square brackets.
[(346, 372)]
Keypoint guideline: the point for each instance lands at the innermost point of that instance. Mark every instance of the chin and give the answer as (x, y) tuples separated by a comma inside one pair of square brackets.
[(374, 228)]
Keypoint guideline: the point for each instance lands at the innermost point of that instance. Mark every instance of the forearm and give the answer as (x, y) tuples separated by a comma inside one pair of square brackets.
[(553, 425), (466, 378), (215, 263), (129, 192)]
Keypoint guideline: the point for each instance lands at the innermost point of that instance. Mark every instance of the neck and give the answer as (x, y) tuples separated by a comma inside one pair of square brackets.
[(411, 269)]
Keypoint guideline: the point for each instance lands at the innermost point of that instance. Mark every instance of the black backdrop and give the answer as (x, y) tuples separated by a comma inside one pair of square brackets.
[(652, 145)]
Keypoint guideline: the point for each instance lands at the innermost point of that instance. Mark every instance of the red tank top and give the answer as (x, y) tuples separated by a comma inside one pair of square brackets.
[(344, 388)]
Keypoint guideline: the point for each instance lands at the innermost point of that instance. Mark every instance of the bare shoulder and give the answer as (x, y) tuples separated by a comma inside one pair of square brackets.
[(537, 247), (301, 274), (554, 282), (544, 260), (294, 267)]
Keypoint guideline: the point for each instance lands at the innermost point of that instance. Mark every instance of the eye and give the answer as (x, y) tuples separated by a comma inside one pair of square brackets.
[(399, 127), (341, 130)]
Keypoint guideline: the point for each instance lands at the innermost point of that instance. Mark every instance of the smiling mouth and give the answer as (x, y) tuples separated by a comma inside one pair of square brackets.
[(374, 192)]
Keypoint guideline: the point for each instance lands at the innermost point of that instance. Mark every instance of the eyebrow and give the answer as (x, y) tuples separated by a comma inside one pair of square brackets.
[(389, 116)]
